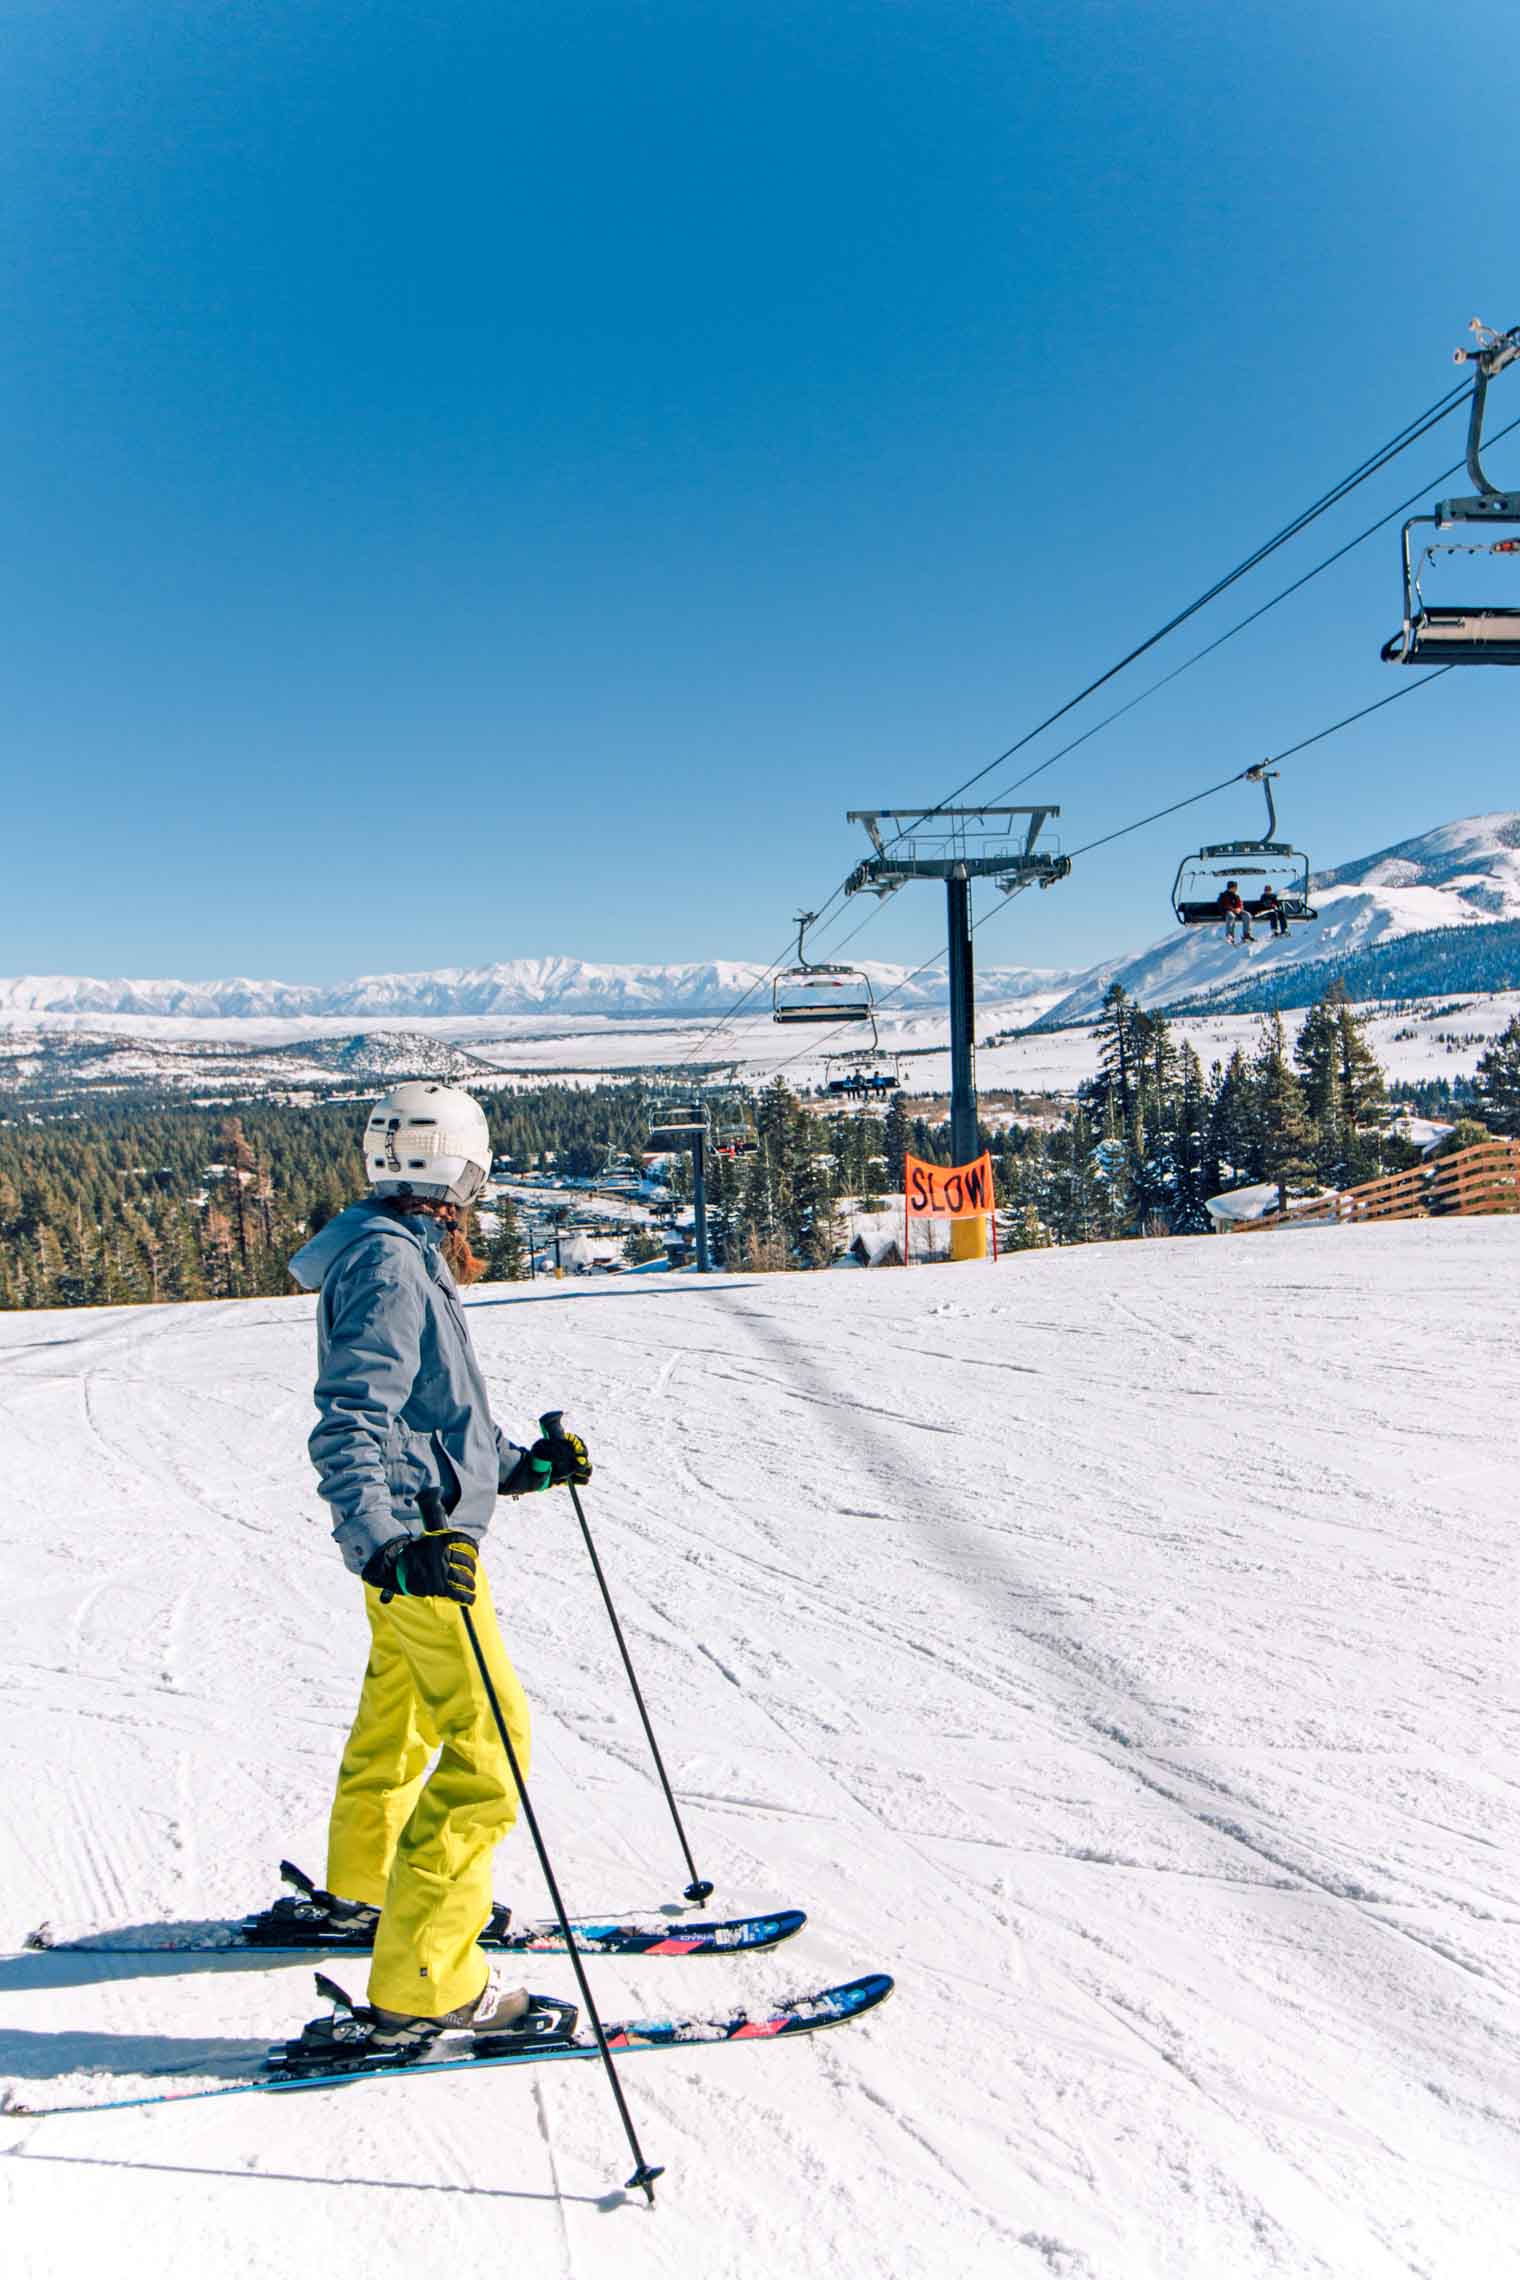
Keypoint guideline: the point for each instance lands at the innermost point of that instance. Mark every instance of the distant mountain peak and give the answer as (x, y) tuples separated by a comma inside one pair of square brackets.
[(515, 987), (1460, 874)]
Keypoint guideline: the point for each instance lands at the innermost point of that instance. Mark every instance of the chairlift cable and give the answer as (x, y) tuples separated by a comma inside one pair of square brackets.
[(1390, 451), (1244, 774), (1240, 625), (757, 984), (1411, 433), (1320, 734), (1240, 776)]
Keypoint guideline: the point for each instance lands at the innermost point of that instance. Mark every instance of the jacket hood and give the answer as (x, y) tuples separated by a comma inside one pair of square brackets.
[(313, 1262)]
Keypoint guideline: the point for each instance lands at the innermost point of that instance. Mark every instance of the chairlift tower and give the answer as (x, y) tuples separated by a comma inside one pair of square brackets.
[(959, 844), (675, 1125)]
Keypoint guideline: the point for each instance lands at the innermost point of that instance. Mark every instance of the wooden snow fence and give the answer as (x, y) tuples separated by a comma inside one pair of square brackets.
[(1469, 1182)]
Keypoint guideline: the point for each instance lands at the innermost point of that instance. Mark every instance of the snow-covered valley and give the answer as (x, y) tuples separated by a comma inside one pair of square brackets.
[(200, 1060), (1111, 1644)]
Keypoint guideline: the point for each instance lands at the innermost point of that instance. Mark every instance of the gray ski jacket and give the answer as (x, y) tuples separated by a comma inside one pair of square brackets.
[(402, 1406)]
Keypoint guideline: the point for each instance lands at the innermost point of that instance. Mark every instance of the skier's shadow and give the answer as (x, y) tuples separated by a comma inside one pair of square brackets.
[(606, 2202), (42, 2057), (42, 1968)]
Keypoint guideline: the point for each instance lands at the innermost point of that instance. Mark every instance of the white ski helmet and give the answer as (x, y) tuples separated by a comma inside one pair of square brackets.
[(429, 1141)]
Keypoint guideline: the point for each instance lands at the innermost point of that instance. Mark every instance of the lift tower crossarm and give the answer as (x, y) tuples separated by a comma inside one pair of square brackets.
[(945, 845)]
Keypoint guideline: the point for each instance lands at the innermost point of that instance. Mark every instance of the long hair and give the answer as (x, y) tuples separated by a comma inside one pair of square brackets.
[(455, 1219)]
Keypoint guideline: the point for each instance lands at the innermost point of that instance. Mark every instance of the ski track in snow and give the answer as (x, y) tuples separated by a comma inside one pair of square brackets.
[(1110, 1644)]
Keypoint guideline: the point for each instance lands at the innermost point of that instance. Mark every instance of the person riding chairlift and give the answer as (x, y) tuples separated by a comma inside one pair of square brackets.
[(1269, 906), (1232, 910)]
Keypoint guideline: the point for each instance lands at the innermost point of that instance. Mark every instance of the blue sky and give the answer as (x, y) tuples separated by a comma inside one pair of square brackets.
[(495, 481)]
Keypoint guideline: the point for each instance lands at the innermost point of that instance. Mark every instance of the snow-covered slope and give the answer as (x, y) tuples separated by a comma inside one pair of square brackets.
[(1109, 1643), (1461, 875), (521, 985)]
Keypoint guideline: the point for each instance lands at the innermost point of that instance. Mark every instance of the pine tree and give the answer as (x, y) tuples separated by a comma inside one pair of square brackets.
[(1343, 1088), (1114, 1189), (238, 1159), (1284, 1148), (218, 1253), (1497, 1083), (1120, 1053), (506, 1253), (1362, 1092), (809, 1215), (1232, 1129), (1317, 1053), (1196, 1171), (896, 1140)]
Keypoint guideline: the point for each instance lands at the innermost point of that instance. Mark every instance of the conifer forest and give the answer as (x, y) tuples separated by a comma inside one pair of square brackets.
[(123, 1203)]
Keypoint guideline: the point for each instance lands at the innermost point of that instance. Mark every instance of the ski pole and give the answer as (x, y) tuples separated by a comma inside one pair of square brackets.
[(643, 2174), (552, 1426)]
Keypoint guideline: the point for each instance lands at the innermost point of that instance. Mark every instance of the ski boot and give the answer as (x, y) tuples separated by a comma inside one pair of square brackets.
[(357, 2038), (315, 1918), (500, 2016)]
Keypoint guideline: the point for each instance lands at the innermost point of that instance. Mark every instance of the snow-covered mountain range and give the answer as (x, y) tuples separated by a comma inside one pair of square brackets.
[(1461, 876), (518, 986)]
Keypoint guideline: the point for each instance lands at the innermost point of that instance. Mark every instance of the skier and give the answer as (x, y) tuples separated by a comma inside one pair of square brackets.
[(411, 1464), (1233, 911)]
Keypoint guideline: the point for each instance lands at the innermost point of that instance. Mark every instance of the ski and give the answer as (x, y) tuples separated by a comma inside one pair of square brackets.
[(629, 1935), (802, 2015), (305, 1926)]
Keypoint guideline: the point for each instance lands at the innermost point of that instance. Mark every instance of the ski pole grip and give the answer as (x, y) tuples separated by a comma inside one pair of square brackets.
[(552, 1425)]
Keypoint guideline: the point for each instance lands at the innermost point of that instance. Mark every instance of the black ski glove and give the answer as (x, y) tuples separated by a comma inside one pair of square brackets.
[(437, 1566), (566, 1457), (553, 1460)]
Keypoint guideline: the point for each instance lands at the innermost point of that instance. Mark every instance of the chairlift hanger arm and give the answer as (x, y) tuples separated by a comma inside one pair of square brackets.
[(1263, 775), (1488, 503)]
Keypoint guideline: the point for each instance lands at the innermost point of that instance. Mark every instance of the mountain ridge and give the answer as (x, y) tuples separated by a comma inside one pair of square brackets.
[(514, 986), (1462, 875)]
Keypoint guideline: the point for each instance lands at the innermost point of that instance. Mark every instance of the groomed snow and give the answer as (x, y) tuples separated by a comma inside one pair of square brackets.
[(1112, 1644)]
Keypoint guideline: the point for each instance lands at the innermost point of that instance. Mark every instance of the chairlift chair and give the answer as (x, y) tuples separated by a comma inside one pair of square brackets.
[(810, 991), (1444, 633), (1251, 865), (869, 1074), (861, 1084), (733, 1127), (677, 1123)]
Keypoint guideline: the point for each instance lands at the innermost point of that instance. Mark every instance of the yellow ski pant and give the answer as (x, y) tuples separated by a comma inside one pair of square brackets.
[(420, 1848)]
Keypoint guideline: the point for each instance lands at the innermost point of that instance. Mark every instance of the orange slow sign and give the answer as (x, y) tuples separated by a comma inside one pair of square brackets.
[(957, 1191)]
